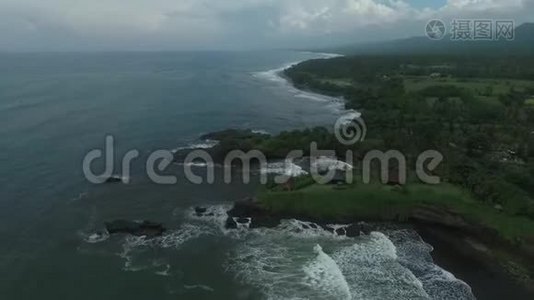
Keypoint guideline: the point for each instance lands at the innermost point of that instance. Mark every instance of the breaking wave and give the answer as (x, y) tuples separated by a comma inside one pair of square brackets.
[(302, 260), (323, 275), (284, 168), (276, 76), (140, 253), (205, 144)]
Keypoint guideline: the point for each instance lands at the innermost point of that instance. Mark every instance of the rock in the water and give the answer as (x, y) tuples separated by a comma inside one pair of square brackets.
[(114, 179), (252, 210), (314, 226), (354, 230), (144, 228), (200, 211), (366, 228), (243, 220), (230, 223), (341, 231)]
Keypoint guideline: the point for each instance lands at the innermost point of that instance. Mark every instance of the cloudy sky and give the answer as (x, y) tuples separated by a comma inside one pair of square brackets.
[(50, 25)]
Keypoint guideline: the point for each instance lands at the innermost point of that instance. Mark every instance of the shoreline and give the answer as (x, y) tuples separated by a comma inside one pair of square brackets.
[(487, 279), (463, 248), (458, 250), (277, 75), (468, 258)]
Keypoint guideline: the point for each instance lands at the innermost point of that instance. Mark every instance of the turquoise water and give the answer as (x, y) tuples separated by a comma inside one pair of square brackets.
[(54, 108)]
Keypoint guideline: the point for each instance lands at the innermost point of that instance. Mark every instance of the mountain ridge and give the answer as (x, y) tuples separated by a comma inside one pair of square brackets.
[(522, 44)]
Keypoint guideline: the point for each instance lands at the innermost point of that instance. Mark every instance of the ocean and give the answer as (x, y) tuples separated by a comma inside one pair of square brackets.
[(56, 107)]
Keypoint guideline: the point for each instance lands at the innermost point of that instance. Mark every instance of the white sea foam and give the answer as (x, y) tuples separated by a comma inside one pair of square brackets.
[(96, 237), (287, 262), (196, 164), (260, 131), (241, 225), (350, 115), (316, 97), (205, 144), (93, 234), (331, 163), (276, 76), (324, 276), (281, 264), (268, 261), (136, 249), (199, 286), (325, 54), (286, 168), (415, 255), (372, 270), (171, 239), (165, 272), (269, 267), (79, 197), (215, 216)]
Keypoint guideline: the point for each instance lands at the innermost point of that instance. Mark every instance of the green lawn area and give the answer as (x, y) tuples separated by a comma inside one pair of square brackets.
[(342, 82), (381, 202), (477, 85)]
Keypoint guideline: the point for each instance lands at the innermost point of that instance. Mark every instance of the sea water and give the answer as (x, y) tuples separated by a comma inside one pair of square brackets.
[(54, 108)]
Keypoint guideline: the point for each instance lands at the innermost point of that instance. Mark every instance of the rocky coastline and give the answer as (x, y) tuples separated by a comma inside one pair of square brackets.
[(473, 252)]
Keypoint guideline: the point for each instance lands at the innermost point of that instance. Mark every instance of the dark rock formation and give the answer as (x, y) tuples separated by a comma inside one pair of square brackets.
[(243, 220), (250, 208), (440, 216), (356, 229), (233, 134), (341, 231), (145, 228), (231, 139), (250, 211), (200, 211), (230, 223), (114, 179)]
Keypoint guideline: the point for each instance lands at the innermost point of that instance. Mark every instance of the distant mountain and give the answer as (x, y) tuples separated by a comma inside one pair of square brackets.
[(525, 32), (523, 44)]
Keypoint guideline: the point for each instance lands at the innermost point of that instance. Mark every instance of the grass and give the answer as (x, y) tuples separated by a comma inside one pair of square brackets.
[(381, 202), (338, 81), (476, 85)]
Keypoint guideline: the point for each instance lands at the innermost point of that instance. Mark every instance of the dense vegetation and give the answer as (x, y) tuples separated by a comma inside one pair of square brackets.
[(477, 111)]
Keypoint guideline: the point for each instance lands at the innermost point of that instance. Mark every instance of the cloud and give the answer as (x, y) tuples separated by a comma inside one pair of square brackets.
[(192, 24), (481, 5)]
